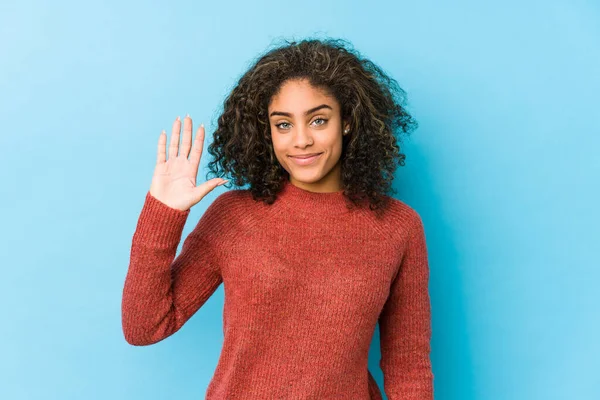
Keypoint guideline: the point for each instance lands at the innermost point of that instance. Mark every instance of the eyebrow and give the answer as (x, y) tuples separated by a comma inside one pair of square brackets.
[(312, 110)]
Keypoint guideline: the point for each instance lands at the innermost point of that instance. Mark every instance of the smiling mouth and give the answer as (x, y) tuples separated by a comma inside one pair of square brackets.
[(305, 160), (306, 155)]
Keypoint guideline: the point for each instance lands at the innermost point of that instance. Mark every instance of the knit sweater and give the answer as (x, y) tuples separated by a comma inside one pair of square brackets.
[(306, 280)]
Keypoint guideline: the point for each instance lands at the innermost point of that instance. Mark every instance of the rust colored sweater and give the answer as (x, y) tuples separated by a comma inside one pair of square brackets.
[(305, 282)]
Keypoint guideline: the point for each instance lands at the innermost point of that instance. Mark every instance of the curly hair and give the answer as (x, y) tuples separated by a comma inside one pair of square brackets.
[(370, 100)]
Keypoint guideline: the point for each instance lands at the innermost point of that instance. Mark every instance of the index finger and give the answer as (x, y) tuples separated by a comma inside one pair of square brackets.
[(196, 153), (174, 144)]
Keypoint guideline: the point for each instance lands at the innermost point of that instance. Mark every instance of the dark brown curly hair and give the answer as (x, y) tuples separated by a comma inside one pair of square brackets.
[(369, 99)]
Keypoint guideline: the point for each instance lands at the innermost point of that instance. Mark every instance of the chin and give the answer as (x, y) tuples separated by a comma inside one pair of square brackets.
[(307, 177)]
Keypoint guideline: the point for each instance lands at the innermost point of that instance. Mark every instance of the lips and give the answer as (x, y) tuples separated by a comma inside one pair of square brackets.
[(306, 155), (305, 159)]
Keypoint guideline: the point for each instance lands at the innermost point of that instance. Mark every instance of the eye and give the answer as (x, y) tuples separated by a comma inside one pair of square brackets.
[(321, 119), (324, 121), (282, 123)]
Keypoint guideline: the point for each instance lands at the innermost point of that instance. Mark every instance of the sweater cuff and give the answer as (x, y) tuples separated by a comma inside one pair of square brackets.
[(159, 225)]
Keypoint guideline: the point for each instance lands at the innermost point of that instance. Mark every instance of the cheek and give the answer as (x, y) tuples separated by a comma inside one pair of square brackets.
[(280, 151), (334, 146), (278, 147)]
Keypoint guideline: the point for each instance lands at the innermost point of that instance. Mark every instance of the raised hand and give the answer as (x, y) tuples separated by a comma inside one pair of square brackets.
[(174, 180)]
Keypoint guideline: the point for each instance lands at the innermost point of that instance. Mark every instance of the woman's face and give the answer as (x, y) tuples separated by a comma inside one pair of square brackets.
[(305, 120)]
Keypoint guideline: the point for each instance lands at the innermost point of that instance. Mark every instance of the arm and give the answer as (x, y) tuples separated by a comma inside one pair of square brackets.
[(405, 325), (162, 292)]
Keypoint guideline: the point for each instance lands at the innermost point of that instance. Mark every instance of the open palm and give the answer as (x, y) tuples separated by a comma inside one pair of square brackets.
[(174, 179)]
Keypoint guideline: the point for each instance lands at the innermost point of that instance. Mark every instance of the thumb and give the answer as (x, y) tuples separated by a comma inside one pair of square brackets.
[(205, 188)]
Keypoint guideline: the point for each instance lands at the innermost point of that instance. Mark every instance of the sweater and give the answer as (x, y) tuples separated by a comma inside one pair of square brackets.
[(305, 279)]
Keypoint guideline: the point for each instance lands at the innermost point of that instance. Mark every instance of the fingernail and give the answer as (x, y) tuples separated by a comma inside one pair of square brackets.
[(187, 115), (222, 183), (202, 125), (178, 119)]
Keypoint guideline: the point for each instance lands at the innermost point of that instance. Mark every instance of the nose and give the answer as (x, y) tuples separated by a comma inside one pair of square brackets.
[(302, 137)]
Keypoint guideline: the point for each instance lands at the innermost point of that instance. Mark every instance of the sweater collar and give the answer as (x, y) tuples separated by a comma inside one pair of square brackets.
[(327, 203)]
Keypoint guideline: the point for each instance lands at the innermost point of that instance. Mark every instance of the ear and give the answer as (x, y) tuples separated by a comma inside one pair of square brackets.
[(346, 128)]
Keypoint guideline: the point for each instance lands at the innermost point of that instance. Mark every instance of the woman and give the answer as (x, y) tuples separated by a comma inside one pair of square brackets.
[(312, 254)]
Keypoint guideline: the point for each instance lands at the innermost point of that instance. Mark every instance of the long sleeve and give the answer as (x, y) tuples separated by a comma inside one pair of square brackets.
[(405, 325), (162, 292)]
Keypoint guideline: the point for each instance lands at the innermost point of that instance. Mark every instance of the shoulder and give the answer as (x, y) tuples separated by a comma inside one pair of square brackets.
[(399, 209), (233, 205), (221, 218), (233, 198), (403, 218)]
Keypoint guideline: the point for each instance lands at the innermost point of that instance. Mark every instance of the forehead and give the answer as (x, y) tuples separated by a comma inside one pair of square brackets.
[(297, 96)]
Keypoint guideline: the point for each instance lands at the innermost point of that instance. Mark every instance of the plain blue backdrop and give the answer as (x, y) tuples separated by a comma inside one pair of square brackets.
[(504, 170)]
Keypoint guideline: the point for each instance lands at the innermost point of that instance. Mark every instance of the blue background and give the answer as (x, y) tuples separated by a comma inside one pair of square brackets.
[(504, 170)]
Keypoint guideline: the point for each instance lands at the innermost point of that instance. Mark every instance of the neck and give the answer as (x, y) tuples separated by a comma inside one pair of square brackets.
[(308, 202)]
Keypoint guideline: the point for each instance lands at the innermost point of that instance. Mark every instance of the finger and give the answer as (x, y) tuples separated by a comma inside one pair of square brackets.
[(196, 153), (161, 155), (174, 145), (206, 187), (186, 141)]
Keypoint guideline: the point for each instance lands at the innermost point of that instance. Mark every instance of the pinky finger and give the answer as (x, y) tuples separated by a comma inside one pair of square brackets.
[(161, 154)]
